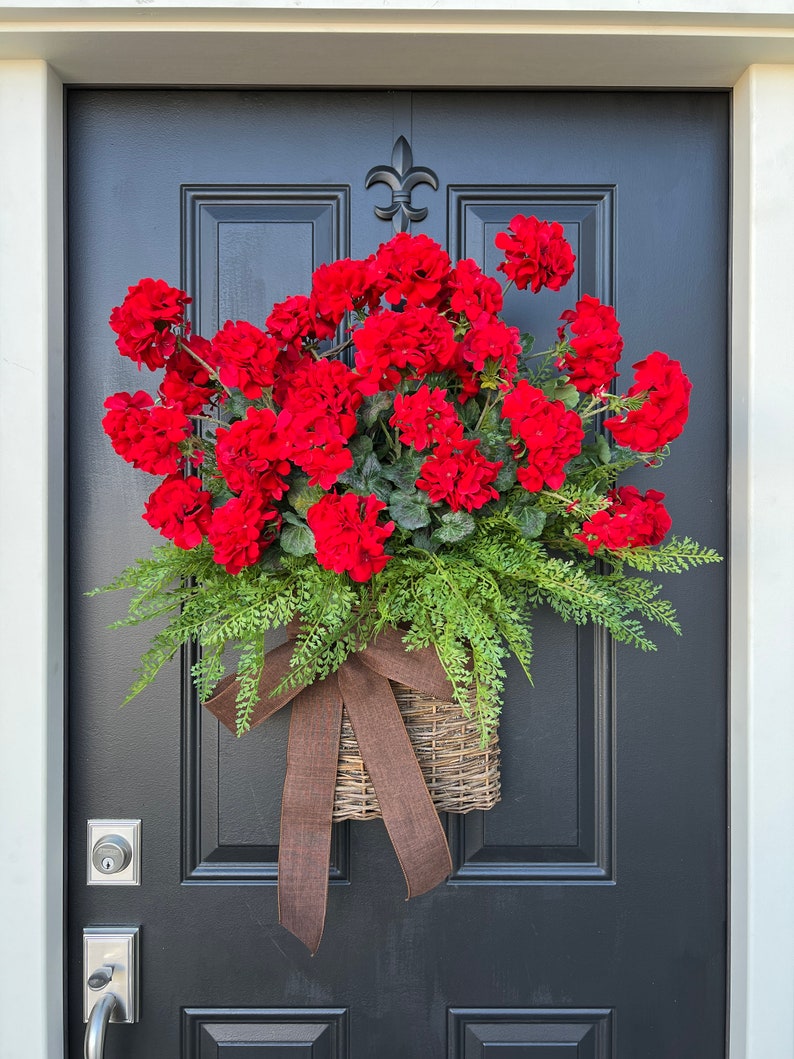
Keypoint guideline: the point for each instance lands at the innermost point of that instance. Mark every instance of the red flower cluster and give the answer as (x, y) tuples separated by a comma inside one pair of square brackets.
[(416, 341), (491, 339), (428, 340), (630, 521), (339, 288), (246, 358), (549, 436), (536, 254), (425, 418), (458, 474), (595, 348), (252, 454), (187, 384), (145, 321), (290, 322), (180, 509), (322, 403), (661, 417), (348, 536), (144, 434), (413, 268), (472, 292), (241, 530)]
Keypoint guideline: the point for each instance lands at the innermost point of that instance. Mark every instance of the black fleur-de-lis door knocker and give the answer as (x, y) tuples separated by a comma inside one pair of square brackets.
[(402, 176)]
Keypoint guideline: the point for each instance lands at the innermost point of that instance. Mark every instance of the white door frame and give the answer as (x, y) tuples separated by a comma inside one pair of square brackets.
[(746, 46)]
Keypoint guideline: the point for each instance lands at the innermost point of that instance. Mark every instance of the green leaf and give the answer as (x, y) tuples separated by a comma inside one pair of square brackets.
[(455, 526), (506, 478), (235, 406), (559, 390), (527, 342), (367, 479), (361, 446), (301, 495), (404, 471), (423, 539), (409, 510), (530, 521), (373, 406), (602, 449), (297, 539), (470, 413)]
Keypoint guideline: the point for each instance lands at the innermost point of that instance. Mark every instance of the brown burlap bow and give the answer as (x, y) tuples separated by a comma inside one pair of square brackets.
[(361, 684)]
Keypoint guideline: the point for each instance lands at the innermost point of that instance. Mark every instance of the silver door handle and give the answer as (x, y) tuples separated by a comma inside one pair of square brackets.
[(110, 989), (97, 1026)]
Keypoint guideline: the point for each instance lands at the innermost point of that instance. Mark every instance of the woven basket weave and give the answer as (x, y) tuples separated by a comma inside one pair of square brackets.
[(460, 775)]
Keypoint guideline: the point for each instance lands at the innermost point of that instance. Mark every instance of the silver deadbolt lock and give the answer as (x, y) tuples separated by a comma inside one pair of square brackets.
[(111, 854), (114, 852)]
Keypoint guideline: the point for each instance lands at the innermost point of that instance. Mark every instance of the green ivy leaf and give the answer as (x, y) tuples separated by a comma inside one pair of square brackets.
[(367, 478), (404, 471), (296, 539), (424, 539), (235, 406), (373, 406), (301, 495), (470, 413), (506, 478), (455, 526), (530, 521), (409, 510), (361, 446)]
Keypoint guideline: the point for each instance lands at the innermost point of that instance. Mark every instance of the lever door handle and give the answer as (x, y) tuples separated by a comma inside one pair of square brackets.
[(97, 1026), (111, 962)]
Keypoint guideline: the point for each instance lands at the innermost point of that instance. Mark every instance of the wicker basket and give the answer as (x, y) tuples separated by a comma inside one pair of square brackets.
[(460, 775)]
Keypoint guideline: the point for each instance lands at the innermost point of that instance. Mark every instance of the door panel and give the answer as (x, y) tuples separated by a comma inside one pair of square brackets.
[(586, 913)]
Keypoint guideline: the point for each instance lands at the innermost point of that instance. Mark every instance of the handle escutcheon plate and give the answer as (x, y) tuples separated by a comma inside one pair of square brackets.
[(117, 948)]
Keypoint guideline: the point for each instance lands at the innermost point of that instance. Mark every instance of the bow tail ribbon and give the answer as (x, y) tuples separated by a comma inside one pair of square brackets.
[(362, 686), (307, 806)]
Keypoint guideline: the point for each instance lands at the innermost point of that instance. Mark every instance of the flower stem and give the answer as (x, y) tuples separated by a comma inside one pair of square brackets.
[(209, 419), (336, 349), (200, 360)]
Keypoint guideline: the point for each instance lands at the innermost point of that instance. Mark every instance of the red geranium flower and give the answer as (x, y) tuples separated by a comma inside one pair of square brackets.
[(491, 339), (410, 267), (425, 417), (180, 508), (661, 417), (596, 347), (186, 383), (144, 434), (630, 521), (458, 474), (416, 341), (339, 288), (348, 536), (290, 321), (472, 293), (536, 254), (549, 435), (145, 320), (322, 400), (241, 530), (246, 358), (253, 453)]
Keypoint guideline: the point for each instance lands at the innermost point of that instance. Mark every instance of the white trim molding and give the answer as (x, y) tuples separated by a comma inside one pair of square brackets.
[(32, 560), (746, 46)]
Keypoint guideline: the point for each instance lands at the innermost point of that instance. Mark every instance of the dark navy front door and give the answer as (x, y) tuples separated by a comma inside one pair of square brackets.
[(586, 914)]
